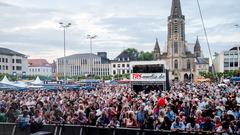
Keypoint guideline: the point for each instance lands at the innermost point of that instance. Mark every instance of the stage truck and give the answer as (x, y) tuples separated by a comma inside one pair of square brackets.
[(149, 75)]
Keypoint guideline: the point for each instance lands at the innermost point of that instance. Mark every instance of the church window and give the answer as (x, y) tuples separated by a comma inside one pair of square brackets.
[(188, 65), (175, 47), (176, 64)]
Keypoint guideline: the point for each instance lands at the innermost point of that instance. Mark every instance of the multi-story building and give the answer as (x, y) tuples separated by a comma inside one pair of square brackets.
[(39, 67), (84, 64), (12, 62), (121, 64), (227, 60)]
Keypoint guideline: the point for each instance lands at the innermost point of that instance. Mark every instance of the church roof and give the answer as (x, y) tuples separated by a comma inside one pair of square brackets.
[(197, 46), (200, 60), (125, 55), (156, 48), (176, 8)]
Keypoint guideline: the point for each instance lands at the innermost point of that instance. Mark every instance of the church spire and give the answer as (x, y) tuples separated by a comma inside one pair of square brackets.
[(156, 51), (176, 8), (157, 48), (197, 48)]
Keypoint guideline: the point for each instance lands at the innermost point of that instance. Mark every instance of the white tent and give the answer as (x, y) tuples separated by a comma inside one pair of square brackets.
[(6, 81), (37, 81), (20, 84)]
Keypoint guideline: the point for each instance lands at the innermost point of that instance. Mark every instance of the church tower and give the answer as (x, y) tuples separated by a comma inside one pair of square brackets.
[(177, 55), (197, 49), (156, 51), (176, 31)]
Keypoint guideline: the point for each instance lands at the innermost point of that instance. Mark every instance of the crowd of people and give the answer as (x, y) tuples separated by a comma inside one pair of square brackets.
[(197, 107)]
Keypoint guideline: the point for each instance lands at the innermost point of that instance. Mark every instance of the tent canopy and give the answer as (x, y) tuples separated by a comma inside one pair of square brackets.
[(235, 79), (5, 80), (37, 81), (89, 81)]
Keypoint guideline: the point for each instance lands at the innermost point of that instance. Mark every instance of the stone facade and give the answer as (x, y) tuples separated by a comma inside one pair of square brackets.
[(180, 60)]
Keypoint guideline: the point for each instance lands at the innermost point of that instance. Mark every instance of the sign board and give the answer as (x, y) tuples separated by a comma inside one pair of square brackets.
[(148, 77)]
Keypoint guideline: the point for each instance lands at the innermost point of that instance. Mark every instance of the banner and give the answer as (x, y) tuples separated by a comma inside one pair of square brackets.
[(149, 77)]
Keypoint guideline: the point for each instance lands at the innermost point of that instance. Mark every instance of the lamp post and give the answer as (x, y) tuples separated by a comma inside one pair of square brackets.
[(237, 26), (91, 37), (64, 26)]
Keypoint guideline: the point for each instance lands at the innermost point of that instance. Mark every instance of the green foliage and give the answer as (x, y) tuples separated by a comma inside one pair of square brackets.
[(219, 76), (132, 51), (145, 56), (140, 55)]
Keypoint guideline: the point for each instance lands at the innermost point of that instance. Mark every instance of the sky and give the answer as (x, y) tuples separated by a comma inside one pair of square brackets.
[(32, 27)]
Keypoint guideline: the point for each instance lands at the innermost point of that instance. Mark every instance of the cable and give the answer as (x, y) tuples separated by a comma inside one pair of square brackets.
[(205, 32)]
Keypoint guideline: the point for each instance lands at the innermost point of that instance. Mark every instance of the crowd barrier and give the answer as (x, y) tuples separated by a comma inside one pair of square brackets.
[(13, 129)]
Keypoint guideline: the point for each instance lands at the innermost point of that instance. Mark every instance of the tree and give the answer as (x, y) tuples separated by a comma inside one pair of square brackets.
[(145, 55), (140, 55), (132, 51)]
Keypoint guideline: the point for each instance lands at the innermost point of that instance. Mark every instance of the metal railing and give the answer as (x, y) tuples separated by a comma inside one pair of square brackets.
[(13, 129)]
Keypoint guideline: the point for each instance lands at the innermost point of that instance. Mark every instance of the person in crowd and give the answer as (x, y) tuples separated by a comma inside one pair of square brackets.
[(114, 123), (103, 120), (3, 115), (192, 125), (178, 125), (23, 120)]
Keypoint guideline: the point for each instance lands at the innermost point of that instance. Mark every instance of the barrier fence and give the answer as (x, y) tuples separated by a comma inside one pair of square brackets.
[(13, 129)]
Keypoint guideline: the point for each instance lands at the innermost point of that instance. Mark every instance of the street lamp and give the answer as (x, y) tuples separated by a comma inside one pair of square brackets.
[(64, 26), (91, 37)]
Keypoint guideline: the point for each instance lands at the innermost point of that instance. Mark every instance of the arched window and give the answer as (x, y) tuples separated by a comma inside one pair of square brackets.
[(176, 64), (188, 64), (175, 47)]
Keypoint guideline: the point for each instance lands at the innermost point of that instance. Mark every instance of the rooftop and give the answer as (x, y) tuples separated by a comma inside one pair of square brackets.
[(38, 63), (5, 51)]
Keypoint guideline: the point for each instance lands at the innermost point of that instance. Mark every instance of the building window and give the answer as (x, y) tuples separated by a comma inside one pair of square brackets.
[(13, 61), (2, 59), (188, 65), (231, 64), (18, 68), (6, 60), (3, 67), (114, 65), (176, 64), (18, 61), (128, 71), (123, 71), (127, 65), (175, 47), (226, 64), (13, 67), (123, 65), (236, 64), (0, 67), (119, 65)]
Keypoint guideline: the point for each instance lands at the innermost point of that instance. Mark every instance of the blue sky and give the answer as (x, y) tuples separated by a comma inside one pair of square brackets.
[(31, 26)]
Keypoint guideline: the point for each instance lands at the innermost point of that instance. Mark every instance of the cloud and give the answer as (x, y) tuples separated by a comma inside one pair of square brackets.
[(31, 26)]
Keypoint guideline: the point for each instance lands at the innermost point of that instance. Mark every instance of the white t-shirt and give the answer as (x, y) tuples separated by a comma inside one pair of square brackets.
[(189, 126)]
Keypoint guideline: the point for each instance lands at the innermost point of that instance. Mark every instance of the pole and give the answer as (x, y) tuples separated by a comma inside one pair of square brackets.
[(91, 45), (91, 61), (64, 49), (64, 26)]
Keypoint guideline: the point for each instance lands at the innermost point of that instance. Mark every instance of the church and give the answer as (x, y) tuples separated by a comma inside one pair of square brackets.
[(181, 60)]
